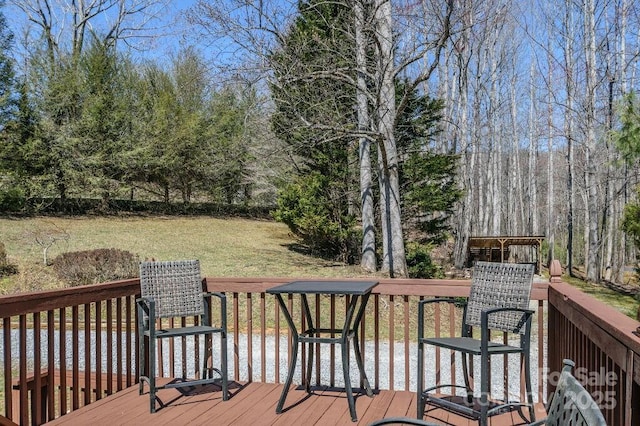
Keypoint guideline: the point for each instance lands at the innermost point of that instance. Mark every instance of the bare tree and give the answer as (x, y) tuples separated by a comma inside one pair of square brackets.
[(254, 30), (393, 258), (591, 219), (368, 252), (46, 237), (463, 132), (64, 25)]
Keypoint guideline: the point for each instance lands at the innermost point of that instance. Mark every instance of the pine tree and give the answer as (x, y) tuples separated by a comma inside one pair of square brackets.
[(314, 109)]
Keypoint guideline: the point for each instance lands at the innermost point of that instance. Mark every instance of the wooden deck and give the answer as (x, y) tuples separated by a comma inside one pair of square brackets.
[(254, 404)]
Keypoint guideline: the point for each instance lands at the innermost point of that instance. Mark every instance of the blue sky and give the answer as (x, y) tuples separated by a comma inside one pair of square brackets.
[(170, 24)]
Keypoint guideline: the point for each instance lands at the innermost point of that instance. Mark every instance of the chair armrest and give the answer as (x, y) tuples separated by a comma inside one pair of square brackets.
[(217, 294), (146, 310), (484, 316), (423, 303), (223, 306), (147, 300)]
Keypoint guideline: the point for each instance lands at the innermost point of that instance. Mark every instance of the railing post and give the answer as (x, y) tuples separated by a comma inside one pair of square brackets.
[(555, 271)]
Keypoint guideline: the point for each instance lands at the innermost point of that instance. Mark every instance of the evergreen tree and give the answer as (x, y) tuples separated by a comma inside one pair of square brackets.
[(103, 123), (315, 114), (190, 139), (20, 144), (313, 110), (427, 178), (628, 143), (228, 149), (427, 181)]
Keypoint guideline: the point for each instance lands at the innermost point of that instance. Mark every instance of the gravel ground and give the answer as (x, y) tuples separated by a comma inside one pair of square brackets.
[(256, 373)]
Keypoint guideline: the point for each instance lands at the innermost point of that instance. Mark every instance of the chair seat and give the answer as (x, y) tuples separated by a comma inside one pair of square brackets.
[(184, 331), (470, 345)]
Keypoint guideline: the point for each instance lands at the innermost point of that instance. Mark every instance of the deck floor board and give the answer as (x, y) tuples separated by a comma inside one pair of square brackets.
[(254, 404)]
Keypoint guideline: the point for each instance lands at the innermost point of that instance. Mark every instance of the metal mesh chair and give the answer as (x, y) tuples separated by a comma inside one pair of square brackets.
[(173, 289), (571, 404), (499, 300)]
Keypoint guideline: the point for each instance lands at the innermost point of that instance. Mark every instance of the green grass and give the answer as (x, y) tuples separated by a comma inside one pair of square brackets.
[(628, 305), (225, 247)]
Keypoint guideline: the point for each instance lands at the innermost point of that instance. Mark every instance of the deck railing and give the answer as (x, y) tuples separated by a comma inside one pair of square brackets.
[(92, 330), (604, 347), (79, 339)]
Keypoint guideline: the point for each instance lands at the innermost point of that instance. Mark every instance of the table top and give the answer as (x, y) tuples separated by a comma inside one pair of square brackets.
[(325, 287)]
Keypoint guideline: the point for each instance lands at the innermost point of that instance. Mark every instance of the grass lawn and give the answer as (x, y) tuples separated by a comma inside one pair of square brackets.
[(225, 247), (626, 304)]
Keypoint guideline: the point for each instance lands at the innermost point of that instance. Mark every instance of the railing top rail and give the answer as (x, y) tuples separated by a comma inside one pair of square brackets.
[(386, 286), (40, 301), (569, 300)]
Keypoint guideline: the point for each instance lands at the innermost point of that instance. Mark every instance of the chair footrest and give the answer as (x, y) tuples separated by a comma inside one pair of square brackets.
[(460, 405), (188, 383), (185, 331)]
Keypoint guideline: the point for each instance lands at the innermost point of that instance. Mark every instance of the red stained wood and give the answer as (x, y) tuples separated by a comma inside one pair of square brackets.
[(254, 404)]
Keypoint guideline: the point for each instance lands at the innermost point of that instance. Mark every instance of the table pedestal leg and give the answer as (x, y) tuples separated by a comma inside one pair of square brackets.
[(294, 357), (363, 375), (347, 380)]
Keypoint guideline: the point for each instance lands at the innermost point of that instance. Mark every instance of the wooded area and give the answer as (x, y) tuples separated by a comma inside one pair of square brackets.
[(360, 106)]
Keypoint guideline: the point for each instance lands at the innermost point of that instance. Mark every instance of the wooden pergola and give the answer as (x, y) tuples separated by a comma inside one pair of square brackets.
[(496, 248)]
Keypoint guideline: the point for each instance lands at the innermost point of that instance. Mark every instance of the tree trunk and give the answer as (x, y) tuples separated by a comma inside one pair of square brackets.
[(393, 259), (592, 241), (368, 253), (569, 129), (495, 225), (550, 223)]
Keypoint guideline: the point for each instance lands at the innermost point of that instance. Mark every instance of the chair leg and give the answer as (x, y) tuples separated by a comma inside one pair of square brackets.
[(152, 375), (223, 367), (420, 384), (307, 385), (527, 383), (141, 349), (485, 387), (465, 375), (141, 361)]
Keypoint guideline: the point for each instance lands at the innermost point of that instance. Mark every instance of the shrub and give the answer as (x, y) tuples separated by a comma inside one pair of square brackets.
[(419, 261), (6, 268), (95, 266), (12, 200), (320, 219)]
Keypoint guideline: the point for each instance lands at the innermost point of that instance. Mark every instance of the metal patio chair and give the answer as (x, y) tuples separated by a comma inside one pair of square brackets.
[(498, 300), (571, 404), (173, 289)]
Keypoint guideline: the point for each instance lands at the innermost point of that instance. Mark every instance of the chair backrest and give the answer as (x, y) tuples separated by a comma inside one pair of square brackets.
[(500, 285), (176, 287), (572, 404)]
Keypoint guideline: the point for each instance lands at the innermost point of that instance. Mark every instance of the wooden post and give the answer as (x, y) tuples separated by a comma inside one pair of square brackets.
[(555, 272)]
